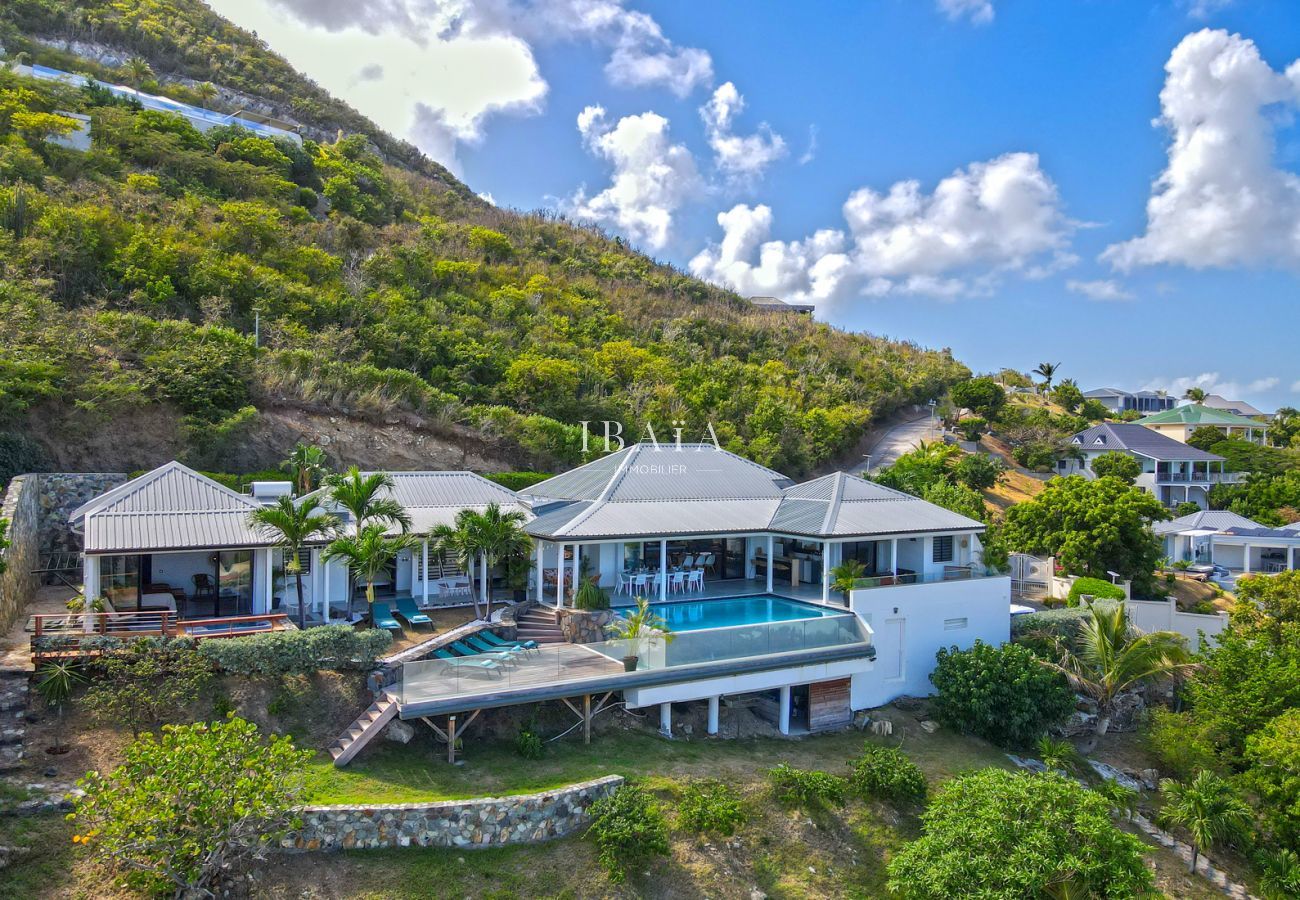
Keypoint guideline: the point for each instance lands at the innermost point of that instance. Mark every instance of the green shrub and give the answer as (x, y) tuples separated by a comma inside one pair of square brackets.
[(1117, 464), (298, 652), (710, 806), (977, 471), (807, 787), (1186, 508), (1181, 744), (886, 773), (589, 596), (629, 830), (1003, 694), (517, 481), (1098, 589), (1049, 623), (528, 744), (972, 428)]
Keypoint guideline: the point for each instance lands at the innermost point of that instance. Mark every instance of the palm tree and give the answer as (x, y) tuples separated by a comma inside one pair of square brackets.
[(56, 682), (138, 70), (1279, 873), (363, 497), (492, 535), (1108, 656), (206, 91), (306, 465), (367, 554), (1195, 394), (1048, 371), (1207, 808), (293, 525)]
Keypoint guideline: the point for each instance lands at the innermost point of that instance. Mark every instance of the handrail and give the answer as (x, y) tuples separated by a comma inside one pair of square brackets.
[(145, 622), (950, 573)]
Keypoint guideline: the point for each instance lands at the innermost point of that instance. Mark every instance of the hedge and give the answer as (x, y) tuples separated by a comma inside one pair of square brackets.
[(298, 652), (1100, 590)]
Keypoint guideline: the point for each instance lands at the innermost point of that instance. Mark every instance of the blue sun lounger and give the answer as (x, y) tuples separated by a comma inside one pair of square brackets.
[(483, 646), (407, 609), (468, 662), (383, 617), (496, 640), (464, 649)]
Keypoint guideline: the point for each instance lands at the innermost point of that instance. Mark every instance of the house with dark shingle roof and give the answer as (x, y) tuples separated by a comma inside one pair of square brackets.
[(1174, 472)]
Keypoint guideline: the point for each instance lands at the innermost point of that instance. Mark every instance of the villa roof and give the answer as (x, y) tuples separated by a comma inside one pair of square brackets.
[(698, 489), (1196, 414), (1240, 407), (435, 498), (1205, 520), (171, 508), (1142, 441)]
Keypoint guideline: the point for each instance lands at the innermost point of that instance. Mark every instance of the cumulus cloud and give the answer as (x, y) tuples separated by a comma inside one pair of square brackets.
[(1221, 201), (986, 220), (1105, 289), (1214, 383), (652, 177), (978, 11), (740, 157)]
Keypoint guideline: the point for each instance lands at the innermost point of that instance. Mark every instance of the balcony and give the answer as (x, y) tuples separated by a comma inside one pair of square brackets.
[(1207, 478), (950, 573)]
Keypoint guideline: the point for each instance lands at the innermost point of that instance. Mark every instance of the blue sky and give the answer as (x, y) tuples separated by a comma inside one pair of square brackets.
[(965, 173)]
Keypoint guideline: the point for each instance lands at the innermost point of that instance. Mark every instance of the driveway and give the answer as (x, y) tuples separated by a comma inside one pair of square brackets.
[(899, 440)]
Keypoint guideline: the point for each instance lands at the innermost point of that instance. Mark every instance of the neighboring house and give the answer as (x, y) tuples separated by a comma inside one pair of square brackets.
[(1181, 422), (775, 304), (1174, 472), (1118, 401), (1241, 545), (1237, 407)]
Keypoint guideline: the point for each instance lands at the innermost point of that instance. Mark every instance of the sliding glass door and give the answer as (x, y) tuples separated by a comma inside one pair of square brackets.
[(234, 583)]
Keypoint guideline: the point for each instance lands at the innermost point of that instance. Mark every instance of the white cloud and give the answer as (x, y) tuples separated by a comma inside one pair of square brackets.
[(1214, 383), (1203, 9), (981, 222), (811, 153), (652, 177), (1221, 201), (1100, 290), (978, 11), (743, 158), (1295, 388)]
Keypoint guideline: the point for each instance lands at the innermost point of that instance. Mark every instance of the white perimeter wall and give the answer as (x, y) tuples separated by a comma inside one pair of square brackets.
[(913, 622), (1163, 615), (744, 684)]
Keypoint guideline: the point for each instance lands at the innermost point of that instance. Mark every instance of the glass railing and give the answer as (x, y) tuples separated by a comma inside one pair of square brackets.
[(951, 573), (435, 680)]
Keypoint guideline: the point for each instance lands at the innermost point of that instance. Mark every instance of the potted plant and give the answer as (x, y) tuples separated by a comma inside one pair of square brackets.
[(638, 627), (515, 571), (845, 576)]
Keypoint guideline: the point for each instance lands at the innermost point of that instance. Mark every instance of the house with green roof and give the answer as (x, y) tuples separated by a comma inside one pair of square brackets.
[(1180, 422)]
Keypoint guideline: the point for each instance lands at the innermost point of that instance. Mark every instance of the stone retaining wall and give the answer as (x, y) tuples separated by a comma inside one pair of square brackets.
[(582, 626), (18, 584), (468, 824), (60, 494)]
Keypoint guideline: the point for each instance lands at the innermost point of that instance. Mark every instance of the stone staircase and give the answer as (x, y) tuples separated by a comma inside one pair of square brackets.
[(367, 726), (14, 691), (538, 624)]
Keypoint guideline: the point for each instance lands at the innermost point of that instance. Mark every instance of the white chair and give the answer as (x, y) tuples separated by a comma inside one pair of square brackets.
[(677, 582), (705, 561), (696, 582), (688, 561), (656, 583), (639, 583), (624, 585)]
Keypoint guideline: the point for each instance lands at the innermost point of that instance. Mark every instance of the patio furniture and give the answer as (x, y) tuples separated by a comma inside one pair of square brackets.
[(205, 589), (407, 610), (505, 656), (468, 662), (696, 581), (688, 561), (478, 643), (493, 638), (624, 584), (677, 582), (383, 617), (706, 561), (158, 601)]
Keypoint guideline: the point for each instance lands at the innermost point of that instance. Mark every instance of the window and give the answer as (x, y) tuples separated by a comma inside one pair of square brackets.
[(954, 624), (304, 560), (943, 548)]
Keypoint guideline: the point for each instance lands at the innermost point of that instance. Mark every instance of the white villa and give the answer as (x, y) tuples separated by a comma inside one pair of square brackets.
[(1173, 471), (1240, 545), (737, 558)]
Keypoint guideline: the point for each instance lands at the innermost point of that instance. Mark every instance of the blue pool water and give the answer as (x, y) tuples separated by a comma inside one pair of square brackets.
[(694, 615)]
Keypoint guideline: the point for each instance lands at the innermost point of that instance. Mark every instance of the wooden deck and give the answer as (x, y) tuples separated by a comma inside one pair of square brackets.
[(552, 665)]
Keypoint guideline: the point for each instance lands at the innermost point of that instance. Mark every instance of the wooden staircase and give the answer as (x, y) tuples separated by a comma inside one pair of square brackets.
[(364, 729), (538, 624)]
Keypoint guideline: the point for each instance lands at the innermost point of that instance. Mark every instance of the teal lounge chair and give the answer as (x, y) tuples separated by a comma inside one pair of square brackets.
[(496, 640), (383, 617), (407, 610), (468, 662), (464, 649), (483, 646)]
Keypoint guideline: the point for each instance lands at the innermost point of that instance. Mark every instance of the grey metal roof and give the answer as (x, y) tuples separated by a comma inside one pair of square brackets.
[(854, 506), (1263, 532), (435, 498), (1217, 519), (171, 508), (1140, 440)]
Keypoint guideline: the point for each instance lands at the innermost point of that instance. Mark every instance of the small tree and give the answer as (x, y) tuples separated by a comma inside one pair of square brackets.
[(55, 682), (978, 471), (1204, 437), (293, 525), (1195, 394), (367, 555), (1068, 396), (147, 682), (845, 576), (307, 466), (1047, 371), (184, 808), (629, 829), (1186, 508), (1207, 808), (490, 536), (1002, 694), (982, 396), (1117, 464)]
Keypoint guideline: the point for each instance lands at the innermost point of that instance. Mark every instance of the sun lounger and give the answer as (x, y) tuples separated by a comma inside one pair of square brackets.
[(383, 617), (468, 662), (464, 649), (483, 646), (407, 610), (495, 639)]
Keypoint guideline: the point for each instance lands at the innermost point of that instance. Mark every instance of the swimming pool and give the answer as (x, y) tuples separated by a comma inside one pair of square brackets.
[(696, 615)]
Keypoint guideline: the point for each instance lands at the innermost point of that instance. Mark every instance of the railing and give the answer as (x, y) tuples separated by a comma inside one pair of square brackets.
[(950, 573), (63, 633), (1198, 477), (131, 624)]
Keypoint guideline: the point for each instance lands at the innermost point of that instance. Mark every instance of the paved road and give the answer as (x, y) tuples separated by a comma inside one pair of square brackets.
[(899, 440)]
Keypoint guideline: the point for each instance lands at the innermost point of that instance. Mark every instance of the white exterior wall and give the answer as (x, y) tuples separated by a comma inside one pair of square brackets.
[(746, 683), (1164, 615), (909, 625), (1229, 556)]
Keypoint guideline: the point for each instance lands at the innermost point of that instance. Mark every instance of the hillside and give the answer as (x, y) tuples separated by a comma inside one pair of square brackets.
[(383, 290)]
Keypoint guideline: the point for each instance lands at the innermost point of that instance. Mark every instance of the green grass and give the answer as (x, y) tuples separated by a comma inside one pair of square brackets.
[(48, 869)]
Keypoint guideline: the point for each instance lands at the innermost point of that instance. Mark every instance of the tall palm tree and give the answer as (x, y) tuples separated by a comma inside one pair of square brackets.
[(306, 465), (1108, 656), (364, 498), (1048, 371), (138, 70), (492, 535), (1208, 808), (293, 525), (1195, 394), (206, 91), (367, 554)]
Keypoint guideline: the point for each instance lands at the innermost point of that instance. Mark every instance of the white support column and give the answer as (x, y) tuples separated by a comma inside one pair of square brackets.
[(666, 719), (483, 578), (770, 562), (90, 586), (826, 571), (1246, 554), (663, 569), (713, 715), (262, 603), (538, 556), (893, 556), (325, 591), (577, 566), (315, 579), (783, 721), (424, 572), (559, 576)]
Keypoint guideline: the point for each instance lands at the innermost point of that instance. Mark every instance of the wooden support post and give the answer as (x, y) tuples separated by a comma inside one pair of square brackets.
[(586, 718), (451, 739)]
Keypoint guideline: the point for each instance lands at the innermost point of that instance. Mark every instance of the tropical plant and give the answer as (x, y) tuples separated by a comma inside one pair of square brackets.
[(1117, 464), (367, 498), (293, 525), (528, 744), (146, 682), (138, 70), (307, 466), (206, 91), (1195, 394), (590, 596), (1060, 755), (845, 576), (1279, 874), (629, 829), (808, 788), (710, 806), (978, 471), (1108, 656), (1207, 808), (995, 833), (367, 555), (1047, 371), (184, 809), (55, 682), (1000, 693), (1067, 395), (886, 773), (982, 396), (491, 536), (1273, 754), (639, 627), (1123, 799)]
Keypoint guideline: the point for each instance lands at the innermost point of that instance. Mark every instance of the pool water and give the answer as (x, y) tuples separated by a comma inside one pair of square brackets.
[(695, 615)]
